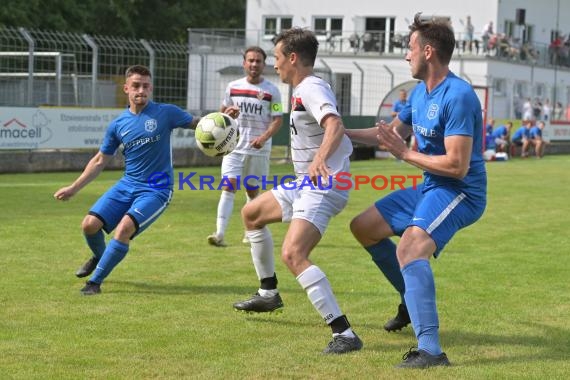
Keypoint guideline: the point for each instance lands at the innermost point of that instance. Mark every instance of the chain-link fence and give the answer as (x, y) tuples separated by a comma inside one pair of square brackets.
[(68, 69)]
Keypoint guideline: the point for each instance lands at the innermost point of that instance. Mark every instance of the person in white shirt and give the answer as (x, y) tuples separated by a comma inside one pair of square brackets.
[(486, 35), (320, 150), (259, 119)]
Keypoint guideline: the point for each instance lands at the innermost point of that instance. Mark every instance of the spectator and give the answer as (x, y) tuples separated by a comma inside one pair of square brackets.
[(529, 52), (536, 109), (554, 49), (546, 110), (468, 37), (521, 138), (517, 106), (501, 137), (536, 140), (486, 35), (527, 109), (558, 111), (354, 41)]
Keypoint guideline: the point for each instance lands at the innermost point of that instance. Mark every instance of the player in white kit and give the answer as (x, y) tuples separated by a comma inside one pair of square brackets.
[(319, 150)]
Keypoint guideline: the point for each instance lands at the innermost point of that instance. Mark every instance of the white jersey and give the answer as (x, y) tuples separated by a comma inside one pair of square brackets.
[(258, 104), (313, 99)]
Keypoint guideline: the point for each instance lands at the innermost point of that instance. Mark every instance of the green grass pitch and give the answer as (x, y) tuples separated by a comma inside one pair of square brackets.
[(165, 312)]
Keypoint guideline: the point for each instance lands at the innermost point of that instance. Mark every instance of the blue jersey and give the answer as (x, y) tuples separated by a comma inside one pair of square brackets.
[(398, 105), (452, 108), (500, 132), (521, 133), (146, 140), (535, 132)]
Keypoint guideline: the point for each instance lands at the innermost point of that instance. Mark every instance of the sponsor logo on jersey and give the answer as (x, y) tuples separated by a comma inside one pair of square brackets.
[(150, 125), (433, 110)]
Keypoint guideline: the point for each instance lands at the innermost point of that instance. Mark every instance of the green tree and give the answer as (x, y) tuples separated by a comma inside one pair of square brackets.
[(150, 19)]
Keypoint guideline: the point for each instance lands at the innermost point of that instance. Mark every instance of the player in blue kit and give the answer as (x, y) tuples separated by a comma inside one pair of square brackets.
[(501, 136), (445, 116), (521, 137), (145, 190), (398, 106), (536, 140)]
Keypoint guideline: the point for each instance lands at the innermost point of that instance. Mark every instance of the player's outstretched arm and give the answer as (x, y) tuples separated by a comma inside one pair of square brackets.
[(93, 168), (366, 136), (369, 136), (454, 163)]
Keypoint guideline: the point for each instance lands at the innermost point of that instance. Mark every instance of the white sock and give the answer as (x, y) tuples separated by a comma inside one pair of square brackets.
[(262, 252), (319, 291), (267, 292), (225, 208)]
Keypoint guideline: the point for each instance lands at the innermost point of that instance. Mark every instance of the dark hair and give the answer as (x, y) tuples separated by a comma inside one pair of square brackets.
[(255, 49), (436, 32), (302, 42), (137, 69)]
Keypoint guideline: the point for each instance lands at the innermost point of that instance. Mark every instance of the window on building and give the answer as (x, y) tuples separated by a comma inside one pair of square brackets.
[(274, 25), (327, 26), (336, 26), (521, 89), (378, 33), (509, 28), (526, 32), (500, 86)]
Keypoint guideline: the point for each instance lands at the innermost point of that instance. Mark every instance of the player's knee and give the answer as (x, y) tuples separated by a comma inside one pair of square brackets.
[(415, 244), (91, 225), (124, 232), (246, 213), (126, 228), (356, 226), (291, 257), (249, 215)]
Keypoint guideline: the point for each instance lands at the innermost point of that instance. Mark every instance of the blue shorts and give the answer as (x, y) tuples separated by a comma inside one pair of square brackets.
[(141, 202), (440, 211)]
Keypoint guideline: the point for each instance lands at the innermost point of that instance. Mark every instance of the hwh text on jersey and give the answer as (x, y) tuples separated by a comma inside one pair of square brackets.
[(250, 108)]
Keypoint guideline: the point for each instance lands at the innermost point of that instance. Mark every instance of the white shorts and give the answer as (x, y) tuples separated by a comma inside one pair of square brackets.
[(315, 206), (239, 164)]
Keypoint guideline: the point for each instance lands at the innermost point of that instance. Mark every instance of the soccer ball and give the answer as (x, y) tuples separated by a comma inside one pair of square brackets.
[(217, 134)]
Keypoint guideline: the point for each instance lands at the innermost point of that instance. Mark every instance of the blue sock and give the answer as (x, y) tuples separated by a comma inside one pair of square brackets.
[(384, 256), (420, 300), (114, 253), (96, 243)]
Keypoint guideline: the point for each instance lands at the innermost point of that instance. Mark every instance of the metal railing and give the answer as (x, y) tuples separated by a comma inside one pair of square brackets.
[(68, 69)]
